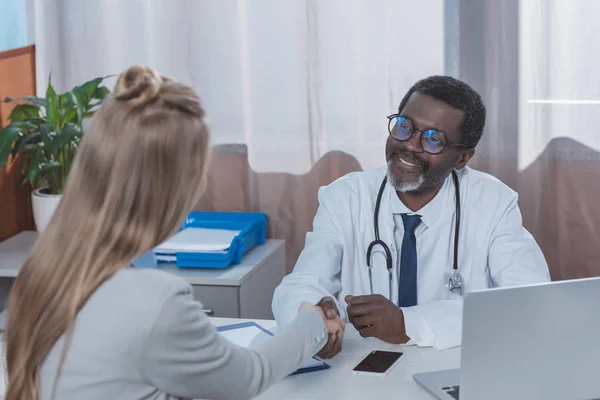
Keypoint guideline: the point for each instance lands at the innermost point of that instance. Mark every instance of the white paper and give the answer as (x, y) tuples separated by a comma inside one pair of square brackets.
[(197, 240), (444, 322), (252, 336), (166, 258)]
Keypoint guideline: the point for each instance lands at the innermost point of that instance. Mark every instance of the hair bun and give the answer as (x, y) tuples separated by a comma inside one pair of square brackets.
[(138, 85)]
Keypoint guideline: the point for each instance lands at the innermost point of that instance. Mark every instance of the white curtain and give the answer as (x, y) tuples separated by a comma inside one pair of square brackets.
[(292, 79), (534, 63), (560, 80), (559, 140), (305, 86)]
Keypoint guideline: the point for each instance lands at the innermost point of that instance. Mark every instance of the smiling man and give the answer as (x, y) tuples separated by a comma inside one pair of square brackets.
[(394, 249)]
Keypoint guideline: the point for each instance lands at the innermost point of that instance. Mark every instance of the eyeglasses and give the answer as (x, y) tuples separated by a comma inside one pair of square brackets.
[(433, 141)]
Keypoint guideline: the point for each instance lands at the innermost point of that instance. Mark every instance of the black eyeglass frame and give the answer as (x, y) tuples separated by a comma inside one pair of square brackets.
[(415, 129)]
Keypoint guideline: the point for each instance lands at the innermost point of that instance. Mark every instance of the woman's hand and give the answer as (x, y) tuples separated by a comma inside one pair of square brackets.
[(335, 327)]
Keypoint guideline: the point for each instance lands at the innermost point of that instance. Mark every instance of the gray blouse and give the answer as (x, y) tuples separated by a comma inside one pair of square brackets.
[(141, 335)]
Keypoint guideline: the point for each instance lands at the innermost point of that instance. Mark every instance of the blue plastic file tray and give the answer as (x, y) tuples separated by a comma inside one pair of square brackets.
[(253, 232)]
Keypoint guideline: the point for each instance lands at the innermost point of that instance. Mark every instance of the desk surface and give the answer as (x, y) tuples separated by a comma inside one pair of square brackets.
[(13, 253), (338, 382)]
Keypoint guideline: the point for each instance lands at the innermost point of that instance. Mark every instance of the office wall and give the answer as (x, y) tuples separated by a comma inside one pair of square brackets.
[(17, 78), (13, 24)]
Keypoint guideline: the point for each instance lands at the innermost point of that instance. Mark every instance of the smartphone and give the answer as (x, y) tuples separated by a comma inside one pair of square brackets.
[(378, 363)]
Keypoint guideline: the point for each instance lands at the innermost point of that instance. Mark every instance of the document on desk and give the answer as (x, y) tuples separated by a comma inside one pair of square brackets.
[(250, 334), (198, 240)]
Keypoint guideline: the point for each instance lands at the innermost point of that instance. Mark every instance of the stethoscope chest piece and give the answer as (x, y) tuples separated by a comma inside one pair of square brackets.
[(455, 283)]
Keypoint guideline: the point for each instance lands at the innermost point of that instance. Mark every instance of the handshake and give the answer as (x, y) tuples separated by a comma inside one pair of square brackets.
[(371, 315)]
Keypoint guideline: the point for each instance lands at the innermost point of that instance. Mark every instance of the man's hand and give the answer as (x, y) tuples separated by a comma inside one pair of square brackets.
[(375, 316), (335, 327)]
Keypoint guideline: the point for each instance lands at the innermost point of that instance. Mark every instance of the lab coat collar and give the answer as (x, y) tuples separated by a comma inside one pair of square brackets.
[(433, 212)]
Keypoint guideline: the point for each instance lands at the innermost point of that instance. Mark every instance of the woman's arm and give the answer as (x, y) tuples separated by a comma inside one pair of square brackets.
[(185, 356)]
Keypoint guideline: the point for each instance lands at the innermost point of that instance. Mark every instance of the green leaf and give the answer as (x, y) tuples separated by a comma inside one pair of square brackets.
[(26, 126), (80, 94), (100, 93), (29, 149), (33, 138), (25, 144), (78, 102), (89, 88), (33, 169), (49, 166), (52, 103), (63, 101), (93, 90), (45, 130), (69, 133), (30, 124), (29, 134), (70, 116), (23, 112), (19, 142), (7, 137), (67, 110), (36, 101)]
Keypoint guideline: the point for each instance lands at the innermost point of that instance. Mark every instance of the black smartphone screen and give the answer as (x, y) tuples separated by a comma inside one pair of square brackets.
[(378, 361)]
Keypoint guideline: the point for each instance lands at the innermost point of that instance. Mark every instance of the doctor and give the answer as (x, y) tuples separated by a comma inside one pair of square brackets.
[(394, 249)]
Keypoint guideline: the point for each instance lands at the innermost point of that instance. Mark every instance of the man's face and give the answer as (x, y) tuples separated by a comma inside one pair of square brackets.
[(410, 169)]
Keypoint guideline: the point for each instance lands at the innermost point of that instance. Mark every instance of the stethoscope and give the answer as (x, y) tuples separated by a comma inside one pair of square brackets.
[(455, 282)]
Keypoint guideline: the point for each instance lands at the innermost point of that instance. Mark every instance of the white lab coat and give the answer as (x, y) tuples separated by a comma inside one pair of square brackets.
[(494, 250)]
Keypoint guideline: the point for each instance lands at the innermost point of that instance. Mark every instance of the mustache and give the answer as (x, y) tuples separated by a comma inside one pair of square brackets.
[(407, 156)]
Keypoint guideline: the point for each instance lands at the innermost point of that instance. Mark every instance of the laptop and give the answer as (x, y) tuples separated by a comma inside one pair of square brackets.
[(529, 342)]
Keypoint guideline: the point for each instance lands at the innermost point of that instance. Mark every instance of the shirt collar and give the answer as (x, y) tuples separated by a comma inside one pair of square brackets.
[(432, 211)]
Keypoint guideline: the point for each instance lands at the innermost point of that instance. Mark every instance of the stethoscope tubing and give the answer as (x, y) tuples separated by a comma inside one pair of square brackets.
[(456, 278)]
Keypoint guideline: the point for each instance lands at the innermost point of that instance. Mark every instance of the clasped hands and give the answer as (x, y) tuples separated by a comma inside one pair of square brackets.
[(371, 315)]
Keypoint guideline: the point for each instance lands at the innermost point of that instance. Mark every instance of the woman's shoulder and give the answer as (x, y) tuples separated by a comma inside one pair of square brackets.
[(144, 288), (149, 280), (153, 277)]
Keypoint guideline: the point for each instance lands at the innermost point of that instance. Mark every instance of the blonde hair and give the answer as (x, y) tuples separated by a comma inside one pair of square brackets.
[(138, 171)]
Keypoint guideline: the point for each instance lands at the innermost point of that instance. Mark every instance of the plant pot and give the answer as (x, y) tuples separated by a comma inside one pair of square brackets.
[(43, 205)]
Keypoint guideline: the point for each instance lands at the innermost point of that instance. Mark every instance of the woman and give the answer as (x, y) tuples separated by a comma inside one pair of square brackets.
[(81, 325)]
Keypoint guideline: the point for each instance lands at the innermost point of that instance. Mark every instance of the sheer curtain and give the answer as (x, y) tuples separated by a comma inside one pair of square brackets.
[(559, 109), (291, 79), (534, 63), (297, 92)]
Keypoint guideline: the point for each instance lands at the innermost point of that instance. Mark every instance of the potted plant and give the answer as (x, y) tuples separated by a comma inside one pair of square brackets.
[(44, 134)]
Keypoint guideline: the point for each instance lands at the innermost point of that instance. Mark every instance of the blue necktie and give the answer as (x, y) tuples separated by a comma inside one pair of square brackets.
[(407, 289)]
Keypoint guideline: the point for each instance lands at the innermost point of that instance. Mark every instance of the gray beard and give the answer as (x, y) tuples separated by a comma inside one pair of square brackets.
[(403, 187)]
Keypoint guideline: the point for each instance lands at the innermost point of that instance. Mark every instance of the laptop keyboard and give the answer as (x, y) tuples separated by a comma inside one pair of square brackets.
[(451, 391)]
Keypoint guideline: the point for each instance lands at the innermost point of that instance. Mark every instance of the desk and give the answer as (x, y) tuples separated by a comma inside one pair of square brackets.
[(338, 382), (240, 291)]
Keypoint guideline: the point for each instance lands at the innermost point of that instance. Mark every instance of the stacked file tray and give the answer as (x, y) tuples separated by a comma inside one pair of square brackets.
[(213, 239)]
